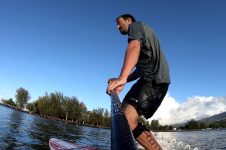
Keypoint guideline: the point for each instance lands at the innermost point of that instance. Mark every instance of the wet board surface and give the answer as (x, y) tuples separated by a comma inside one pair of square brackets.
[(57, 144)]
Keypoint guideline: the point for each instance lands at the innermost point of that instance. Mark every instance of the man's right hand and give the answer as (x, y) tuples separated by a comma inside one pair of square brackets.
[(116, 84)]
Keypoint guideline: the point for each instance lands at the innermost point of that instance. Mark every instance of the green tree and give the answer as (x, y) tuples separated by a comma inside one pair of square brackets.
[(83, 110), (22, 97), (203, 125), (155, 124), (93, 117), (66, 107), (192, 124), (73, 109), (55, 100), (30, 107), (106, 118), (43, 105), (100, 114), (33, 107), (87, 117), (213, 125), (9, 102)]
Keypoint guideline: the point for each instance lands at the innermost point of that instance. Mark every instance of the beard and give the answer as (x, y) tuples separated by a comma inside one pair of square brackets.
[(123, 32)]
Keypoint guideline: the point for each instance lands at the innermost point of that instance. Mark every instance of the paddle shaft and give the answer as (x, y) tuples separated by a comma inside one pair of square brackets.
[(121, 135)]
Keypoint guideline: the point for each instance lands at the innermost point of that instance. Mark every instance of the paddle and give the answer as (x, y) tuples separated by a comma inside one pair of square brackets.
[(121, 135)]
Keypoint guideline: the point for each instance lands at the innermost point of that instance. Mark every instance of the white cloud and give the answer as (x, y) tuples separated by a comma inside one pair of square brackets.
[(196, 107), (163, 112)]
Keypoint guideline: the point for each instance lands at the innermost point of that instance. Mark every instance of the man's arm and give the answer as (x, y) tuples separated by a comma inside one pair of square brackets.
[(130, 60), (133, 76)]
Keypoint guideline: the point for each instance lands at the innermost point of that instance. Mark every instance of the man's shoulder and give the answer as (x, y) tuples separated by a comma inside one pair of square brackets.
[(140, 25), (137, 27), (137, 23)]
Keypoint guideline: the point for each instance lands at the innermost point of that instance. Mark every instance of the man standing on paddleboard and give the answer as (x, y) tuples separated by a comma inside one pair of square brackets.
[(145, 55)]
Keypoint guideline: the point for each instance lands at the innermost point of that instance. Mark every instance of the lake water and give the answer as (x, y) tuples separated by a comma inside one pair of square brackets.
[(22, 131), (203, 140)]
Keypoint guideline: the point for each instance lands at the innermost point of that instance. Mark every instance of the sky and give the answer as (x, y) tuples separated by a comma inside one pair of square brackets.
[(74, 47)]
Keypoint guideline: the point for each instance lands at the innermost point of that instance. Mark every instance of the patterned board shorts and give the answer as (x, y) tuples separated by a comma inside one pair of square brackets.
[(146, 96)]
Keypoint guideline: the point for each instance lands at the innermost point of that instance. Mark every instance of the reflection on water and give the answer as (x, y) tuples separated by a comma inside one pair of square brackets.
[(14, 124), (42, 129), (22, 131), (19, 130), (13, 130)]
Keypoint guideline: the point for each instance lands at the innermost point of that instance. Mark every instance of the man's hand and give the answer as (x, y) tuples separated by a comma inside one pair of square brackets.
[(116, 84)]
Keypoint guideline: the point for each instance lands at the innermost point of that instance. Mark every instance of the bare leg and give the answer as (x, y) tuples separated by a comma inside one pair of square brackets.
[(146, 139)]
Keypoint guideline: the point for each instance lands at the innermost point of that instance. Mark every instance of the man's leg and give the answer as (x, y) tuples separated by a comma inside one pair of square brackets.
[(146, 139)]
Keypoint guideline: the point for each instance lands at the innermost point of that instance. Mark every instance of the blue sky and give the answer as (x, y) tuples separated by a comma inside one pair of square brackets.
[(73, 46)]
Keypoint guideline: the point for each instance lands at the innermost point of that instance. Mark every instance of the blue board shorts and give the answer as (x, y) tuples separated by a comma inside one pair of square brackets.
[(146, 96)]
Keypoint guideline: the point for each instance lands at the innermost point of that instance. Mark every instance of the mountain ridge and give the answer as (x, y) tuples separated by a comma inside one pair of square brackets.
[(207, 120)]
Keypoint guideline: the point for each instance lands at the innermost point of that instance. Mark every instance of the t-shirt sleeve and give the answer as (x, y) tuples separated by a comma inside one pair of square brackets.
[(136, 32)]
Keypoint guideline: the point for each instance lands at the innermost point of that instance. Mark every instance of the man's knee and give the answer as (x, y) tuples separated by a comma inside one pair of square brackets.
[(131, 115)]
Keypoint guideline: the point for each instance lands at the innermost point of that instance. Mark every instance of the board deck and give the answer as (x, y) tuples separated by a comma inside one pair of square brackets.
[(57, 144)]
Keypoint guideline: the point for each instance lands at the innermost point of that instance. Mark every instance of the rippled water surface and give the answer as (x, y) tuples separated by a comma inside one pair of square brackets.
[(203, 140), (19, 130), (22, 131)]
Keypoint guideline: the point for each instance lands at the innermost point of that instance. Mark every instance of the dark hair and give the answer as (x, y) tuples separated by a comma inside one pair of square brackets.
[(126, 16)]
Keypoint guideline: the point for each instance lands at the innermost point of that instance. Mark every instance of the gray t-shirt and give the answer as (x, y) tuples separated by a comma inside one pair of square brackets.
[(152, 64)]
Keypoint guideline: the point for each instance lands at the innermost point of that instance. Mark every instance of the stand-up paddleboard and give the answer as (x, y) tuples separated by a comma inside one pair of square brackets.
[(121, 135), (57, 144)]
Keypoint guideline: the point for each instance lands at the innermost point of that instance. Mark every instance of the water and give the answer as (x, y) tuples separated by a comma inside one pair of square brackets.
[(22, 131), (203, 140)]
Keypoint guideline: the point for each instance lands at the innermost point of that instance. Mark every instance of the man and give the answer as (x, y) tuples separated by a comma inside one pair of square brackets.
[(145, 55)]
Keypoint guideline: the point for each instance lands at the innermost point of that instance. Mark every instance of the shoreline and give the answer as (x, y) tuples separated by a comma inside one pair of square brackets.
[(53, 118), (93, 126)]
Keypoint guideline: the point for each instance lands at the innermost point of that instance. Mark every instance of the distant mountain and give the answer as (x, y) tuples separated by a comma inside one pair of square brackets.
[(214, 118), (208, 120)]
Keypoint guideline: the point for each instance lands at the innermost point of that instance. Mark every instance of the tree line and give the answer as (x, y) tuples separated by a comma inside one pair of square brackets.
[(190, 125), (194, 125), (155, 126), (60, 107)]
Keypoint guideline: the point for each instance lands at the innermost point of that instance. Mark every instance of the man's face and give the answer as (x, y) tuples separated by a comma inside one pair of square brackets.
[(123, 25)]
